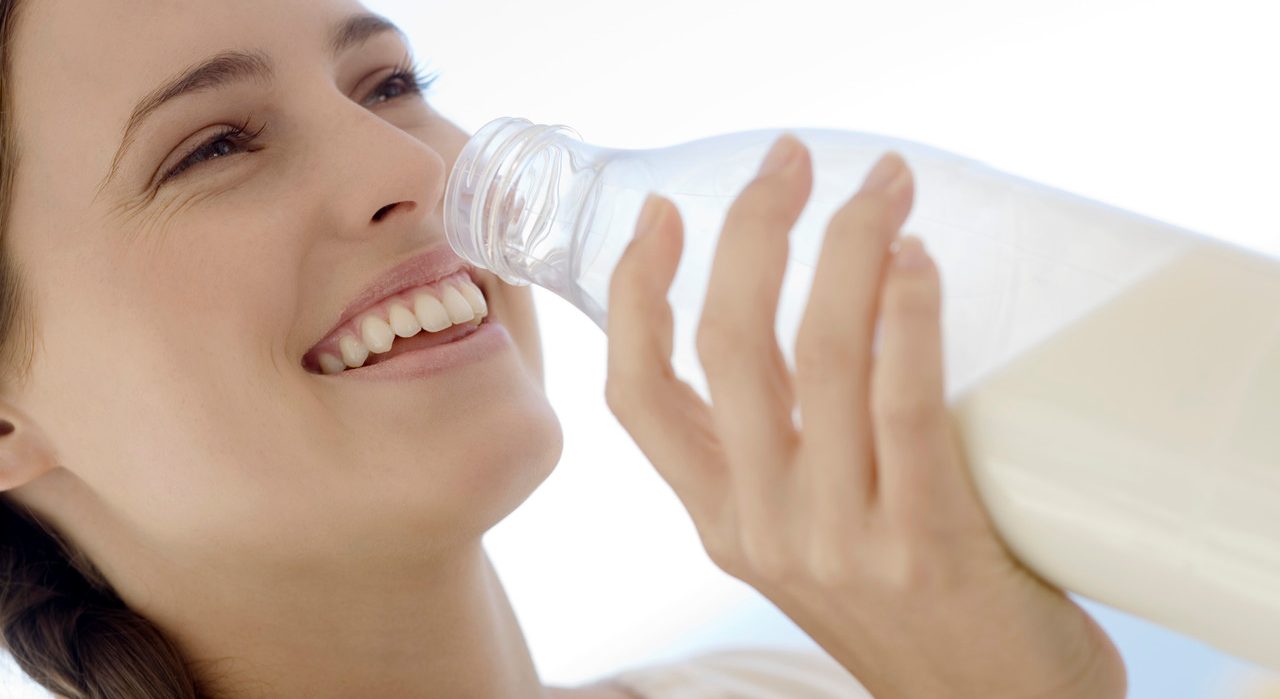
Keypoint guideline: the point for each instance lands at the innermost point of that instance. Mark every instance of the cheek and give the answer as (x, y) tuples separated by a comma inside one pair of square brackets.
[(159, 370), (221, 285), (145, 434)]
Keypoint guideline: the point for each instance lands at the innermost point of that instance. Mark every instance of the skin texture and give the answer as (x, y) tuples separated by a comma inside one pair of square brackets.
[(861, 522), (297, 535)]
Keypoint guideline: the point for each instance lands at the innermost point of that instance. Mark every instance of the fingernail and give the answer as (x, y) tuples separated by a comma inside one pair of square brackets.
[(6, 428), (780, 156), (911, 254), (649, 214), (887, 176)]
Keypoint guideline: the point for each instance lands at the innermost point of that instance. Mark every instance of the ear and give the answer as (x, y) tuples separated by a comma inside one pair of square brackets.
[(25, 451)]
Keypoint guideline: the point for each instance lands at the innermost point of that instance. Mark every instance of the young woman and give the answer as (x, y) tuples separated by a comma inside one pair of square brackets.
[(235, 464)]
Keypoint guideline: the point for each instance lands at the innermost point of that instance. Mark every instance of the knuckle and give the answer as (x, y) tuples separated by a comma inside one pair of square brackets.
[(618, 400), (724, 553), (904, 416), (717, 337), (623, 396), (912, 572), (768, 561), (904, 573), (615, 394), (821, 353), (832, 567)]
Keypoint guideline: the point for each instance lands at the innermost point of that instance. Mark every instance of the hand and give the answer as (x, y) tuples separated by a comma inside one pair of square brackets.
[(862, 524)]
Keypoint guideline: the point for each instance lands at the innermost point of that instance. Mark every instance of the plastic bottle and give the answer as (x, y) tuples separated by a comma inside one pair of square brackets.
[(1115, 380)]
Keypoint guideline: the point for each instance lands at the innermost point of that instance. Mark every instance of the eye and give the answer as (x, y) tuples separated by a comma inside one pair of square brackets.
[(406, 80), (229, 141)]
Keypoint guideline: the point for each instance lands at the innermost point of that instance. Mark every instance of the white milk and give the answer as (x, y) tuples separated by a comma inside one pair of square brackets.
[(1134, 457)]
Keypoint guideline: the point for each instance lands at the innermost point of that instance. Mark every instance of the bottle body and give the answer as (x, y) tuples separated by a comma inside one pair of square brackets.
[(1111, 376)]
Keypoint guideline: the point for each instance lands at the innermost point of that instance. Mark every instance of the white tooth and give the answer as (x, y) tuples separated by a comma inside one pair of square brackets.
[(430, 312), (331, 364), (403, 322), (472, 294), (354, 352), (458, 308), (376, 334)]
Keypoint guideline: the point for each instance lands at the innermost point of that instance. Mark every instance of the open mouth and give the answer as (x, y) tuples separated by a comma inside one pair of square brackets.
[(437, 313)]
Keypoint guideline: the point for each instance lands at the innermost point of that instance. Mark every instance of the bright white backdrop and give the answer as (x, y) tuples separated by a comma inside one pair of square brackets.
[(1167, 108)]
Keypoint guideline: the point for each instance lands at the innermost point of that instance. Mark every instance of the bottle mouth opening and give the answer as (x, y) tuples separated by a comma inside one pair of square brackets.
[(501, 196)]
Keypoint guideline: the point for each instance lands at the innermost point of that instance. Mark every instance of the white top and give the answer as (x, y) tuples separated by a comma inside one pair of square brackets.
[(745, 673)]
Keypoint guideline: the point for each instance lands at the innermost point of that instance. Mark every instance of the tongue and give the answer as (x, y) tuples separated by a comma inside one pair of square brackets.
[(421, 341)]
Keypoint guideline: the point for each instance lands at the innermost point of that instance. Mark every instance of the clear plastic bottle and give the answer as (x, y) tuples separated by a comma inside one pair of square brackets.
[(1115, 380)]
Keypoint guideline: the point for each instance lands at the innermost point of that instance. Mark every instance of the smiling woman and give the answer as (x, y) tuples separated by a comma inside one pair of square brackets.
[(190, 509)]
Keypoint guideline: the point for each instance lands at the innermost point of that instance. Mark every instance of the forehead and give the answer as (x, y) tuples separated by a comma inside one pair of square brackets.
[(127, 34), (84, 61)]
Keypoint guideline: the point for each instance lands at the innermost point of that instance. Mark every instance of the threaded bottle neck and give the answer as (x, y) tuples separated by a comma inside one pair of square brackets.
[(502, 197)]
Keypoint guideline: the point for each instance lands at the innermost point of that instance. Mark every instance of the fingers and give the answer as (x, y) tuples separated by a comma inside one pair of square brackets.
[(747, 376), (665, 416), (833, 344), (917, 466)]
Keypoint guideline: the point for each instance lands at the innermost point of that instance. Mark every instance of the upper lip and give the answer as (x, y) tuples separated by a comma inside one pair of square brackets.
[(423, 268)]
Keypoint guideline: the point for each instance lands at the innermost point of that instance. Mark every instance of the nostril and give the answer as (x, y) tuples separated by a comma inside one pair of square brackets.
[(382, 213)]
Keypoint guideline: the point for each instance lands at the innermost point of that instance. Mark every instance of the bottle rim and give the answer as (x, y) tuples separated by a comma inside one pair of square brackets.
[(477, 176)]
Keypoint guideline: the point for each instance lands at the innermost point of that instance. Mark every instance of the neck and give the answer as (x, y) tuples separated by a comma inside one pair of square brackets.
[(450, 632)]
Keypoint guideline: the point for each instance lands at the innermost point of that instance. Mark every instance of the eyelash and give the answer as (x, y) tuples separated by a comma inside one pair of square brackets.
[(241, 136)]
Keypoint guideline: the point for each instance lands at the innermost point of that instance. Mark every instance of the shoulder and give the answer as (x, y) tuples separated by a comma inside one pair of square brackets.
[(744, 673)]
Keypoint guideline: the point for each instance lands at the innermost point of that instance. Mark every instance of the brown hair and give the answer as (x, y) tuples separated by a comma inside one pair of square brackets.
[(61, 621)]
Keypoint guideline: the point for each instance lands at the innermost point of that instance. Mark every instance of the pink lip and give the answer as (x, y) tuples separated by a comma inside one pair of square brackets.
[(424, 268)]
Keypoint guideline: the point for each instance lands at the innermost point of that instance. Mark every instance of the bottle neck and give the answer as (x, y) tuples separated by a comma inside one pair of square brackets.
[(512, 203)]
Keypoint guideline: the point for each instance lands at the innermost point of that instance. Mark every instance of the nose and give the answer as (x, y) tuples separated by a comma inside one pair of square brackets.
[(381, 179), (403, 207)]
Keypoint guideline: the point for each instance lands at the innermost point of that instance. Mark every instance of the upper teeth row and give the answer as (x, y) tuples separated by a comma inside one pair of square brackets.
[(433, 308)]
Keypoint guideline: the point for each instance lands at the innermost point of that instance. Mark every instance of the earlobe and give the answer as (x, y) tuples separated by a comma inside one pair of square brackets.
[(25, 452)]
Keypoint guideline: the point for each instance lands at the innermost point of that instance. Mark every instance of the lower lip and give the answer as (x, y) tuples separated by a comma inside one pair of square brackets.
[(489, 339)]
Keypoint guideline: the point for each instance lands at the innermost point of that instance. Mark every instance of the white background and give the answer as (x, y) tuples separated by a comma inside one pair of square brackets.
[(1169, 109)]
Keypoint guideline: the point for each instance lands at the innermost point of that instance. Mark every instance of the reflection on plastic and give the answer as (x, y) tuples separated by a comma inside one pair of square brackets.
[(1115, 380)]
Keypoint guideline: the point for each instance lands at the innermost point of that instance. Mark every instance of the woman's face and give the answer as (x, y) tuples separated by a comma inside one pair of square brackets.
[(172, 314)]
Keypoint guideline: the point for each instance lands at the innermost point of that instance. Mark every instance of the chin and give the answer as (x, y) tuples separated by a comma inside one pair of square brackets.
[(439, 478), (499, 474)]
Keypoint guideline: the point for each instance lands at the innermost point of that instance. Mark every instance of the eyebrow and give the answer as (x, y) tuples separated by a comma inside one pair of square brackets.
[(229, 67)]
